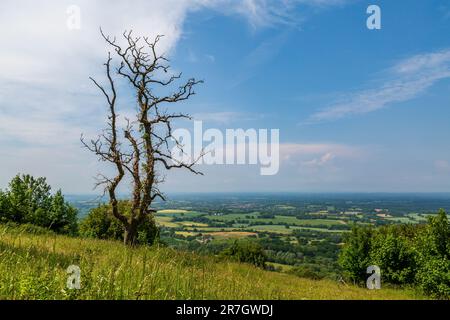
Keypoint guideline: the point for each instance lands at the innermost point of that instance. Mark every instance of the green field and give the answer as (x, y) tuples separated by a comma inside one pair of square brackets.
[(278, 219), (166, 222), (281, 229), (34, 267), (242, 222), (233, 216)]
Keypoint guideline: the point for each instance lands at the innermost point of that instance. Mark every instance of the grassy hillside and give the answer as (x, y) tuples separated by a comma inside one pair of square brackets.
[(33, 266)]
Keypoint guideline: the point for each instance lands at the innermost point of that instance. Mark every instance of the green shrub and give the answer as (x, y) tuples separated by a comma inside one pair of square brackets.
[(394, 255), (246, 251), (406, 254), (355, 255), (433, 278), (100, 223), (310, 271), (433, 255), (28, 201)]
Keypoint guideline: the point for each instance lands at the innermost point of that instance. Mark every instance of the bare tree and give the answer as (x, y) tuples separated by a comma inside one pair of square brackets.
[(141, 149)]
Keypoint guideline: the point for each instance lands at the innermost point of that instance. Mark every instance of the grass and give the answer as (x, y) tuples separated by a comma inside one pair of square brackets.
[(283, 267), (33, 266)]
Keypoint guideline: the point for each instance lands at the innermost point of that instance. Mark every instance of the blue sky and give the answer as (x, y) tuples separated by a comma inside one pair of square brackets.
[(358, 109)]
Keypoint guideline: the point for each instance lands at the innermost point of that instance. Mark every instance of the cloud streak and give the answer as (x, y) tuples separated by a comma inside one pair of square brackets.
[(404, 81)]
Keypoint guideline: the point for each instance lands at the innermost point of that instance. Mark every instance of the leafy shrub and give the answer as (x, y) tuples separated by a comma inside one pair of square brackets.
[(246, 251), (310, 271), (101, 224), (394, 255), (355, 256), (433, 278), (28, 201), (411, 254), (433, 255)]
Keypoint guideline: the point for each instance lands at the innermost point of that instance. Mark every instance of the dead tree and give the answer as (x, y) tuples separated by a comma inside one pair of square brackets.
[(140, 150)]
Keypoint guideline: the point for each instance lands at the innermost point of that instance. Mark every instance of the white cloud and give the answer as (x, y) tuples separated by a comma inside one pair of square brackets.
[(405, 81), (289, 150), (321, 161), (225, 117), (311, 158), (442, 166), (303, 167)]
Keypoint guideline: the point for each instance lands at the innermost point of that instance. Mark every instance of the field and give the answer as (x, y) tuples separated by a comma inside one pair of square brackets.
[(301, 235), (240, 223), (33, 266)]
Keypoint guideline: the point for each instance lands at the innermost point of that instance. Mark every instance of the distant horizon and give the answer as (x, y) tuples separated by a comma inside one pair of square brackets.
[(278, 193)]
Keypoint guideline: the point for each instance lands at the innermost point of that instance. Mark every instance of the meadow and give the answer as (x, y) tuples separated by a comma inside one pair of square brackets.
[(33, 266)]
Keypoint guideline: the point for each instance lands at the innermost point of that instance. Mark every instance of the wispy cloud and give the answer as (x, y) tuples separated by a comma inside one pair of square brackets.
[(225, 117), (269, 12), (404, 81), (442, 166), (321, 161), (290, 150)]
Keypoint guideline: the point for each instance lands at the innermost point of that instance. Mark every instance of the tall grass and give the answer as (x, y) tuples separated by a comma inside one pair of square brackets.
[(33, 266)]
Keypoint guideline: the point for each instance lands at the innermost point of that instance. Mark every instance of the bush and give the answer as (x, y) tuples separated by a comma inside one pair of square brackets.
[(408, 254), (433, 255), (394, 255), (100, 223), (355, 256), (246, 251), (28, 201), (433, 278), (310, 271)]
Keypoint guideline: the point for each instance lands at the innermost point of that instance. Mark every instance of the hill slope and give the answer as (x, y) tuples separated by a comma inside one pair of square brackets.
[(33, 266)]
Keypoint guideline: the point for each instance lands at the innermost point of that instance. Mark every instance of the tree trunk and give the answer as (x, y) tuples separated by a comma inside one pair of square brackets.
[(130, 235)]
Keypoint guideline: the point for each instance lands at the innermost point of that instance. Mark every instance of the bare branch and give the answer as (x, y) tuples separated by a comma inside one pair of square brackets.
[(140, 65)]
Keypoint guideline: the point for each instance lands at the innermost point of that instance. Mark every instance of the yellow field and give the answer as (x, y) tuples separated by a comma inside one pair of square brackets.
[(172, 211), (192, 224), (166, 222), (186, 233), (231, 234)]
